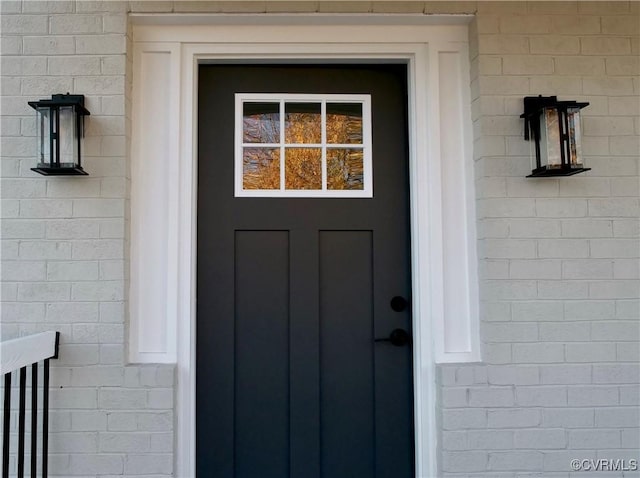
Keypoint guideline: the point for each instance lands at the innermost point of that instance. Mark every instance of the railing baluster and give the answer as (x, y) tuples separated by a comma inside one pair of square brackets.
[(6, 425), (17, 354), (45, 418), (21, 416), (34, 419)]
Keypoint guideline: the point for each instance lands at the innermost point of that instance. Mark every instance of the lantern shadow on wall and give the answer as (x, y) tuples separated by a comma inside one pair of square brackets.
[(60, 132), (555, 131)]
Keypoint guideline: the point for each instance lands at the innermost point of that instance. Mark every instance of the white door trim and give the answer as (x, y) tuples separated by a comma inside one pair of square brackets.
[(422, 48)]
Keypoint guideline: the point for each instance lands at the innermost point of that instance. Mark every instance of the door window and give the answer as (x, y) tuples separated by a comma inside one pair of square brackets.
[(303, 145)]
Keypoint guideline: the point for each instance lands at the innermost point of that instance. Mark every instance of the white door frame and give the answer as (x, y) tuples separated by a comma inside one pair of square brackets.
[(435, 55)]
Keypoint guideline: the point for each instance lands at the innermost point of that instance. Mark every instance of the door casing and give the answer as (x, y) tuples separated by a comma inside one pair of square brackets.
[(424, 377), (190, 46)]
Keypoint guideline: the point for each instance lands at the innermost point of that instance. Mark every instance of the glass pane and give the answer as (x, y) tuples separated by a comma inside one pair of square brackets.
[(345, 169), (550, 139), (67, 136), (303, 168), (302, 123), (344, 123), (261, 123), (575, 137), (44, 144), (261, 168)]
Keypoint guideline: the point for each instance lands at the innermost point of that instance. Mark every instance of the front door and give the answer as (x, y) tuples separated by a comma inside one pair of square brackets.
[(298, 372)]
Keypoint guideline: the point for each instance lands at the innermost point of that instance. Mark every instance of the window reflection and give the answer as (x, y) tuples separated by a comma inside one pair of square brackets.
[(345, 169), (302, 123), (261, 168), (261, 123), (344, 123), (303, 168)]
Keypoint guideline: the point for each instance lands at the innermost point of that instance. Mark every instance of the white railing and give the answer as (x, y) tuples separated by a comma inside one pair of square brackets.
[(16, 356)]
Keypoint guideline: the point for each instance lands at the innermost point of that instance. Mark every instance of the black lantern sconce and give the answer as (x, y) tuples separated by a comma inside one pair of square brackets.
[(60, 130), (555, 129)]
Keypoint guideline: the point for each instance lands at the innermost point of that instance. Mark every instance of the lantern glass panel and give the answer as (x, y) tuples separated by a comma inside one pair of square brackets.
[(550, 144), (575, 137), (532, 148), (67, 137), (43, 116)]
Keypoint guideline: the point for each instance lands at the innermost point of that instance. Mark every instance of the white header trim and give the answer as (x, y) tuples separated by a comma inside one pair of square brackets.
[(289, 19)]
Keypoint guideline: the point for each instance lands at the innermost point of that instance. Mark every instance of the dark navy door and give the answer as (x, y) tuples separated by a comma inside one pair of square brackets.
[(292, 294)]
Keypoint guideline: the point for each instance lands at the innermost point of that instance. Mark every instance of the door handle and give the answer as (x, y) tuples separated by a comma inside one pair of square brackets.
[(397, 337)]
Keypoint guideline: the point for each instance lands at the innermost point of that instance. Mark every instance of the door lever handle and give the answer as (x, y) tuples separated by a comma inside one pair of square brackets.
[(397, 337)]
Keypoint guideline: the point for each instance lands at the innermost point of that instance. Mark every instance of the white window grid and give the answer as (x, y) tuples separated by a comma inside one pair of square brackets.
[(323, 99)]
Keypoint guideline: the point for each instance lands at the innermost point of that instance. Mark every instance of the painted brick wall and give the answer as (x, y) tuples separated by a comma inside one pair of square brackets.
[(64, 246), (559, 257)]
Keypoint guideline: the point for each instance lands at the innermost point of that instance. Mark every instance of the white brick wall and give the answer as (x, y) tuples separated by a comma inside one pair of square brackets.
[(555, 267), (559, 257), (63, 242)]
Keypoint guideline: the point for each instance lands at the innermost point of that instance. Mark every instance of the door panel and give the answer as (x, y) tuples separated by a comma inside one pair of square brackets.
[(262, 352), (292, 293), (346, 350)]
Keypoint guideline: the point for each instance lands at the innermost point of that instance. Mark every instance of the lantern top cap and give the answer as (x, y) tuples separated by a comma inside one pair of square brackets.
[(59, 100), (533, 105)]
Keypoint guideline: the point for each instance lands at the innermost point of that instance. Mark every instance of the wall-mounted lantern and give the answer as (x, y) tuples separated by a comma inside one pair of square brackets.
[(60, 130), (554, 127)]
